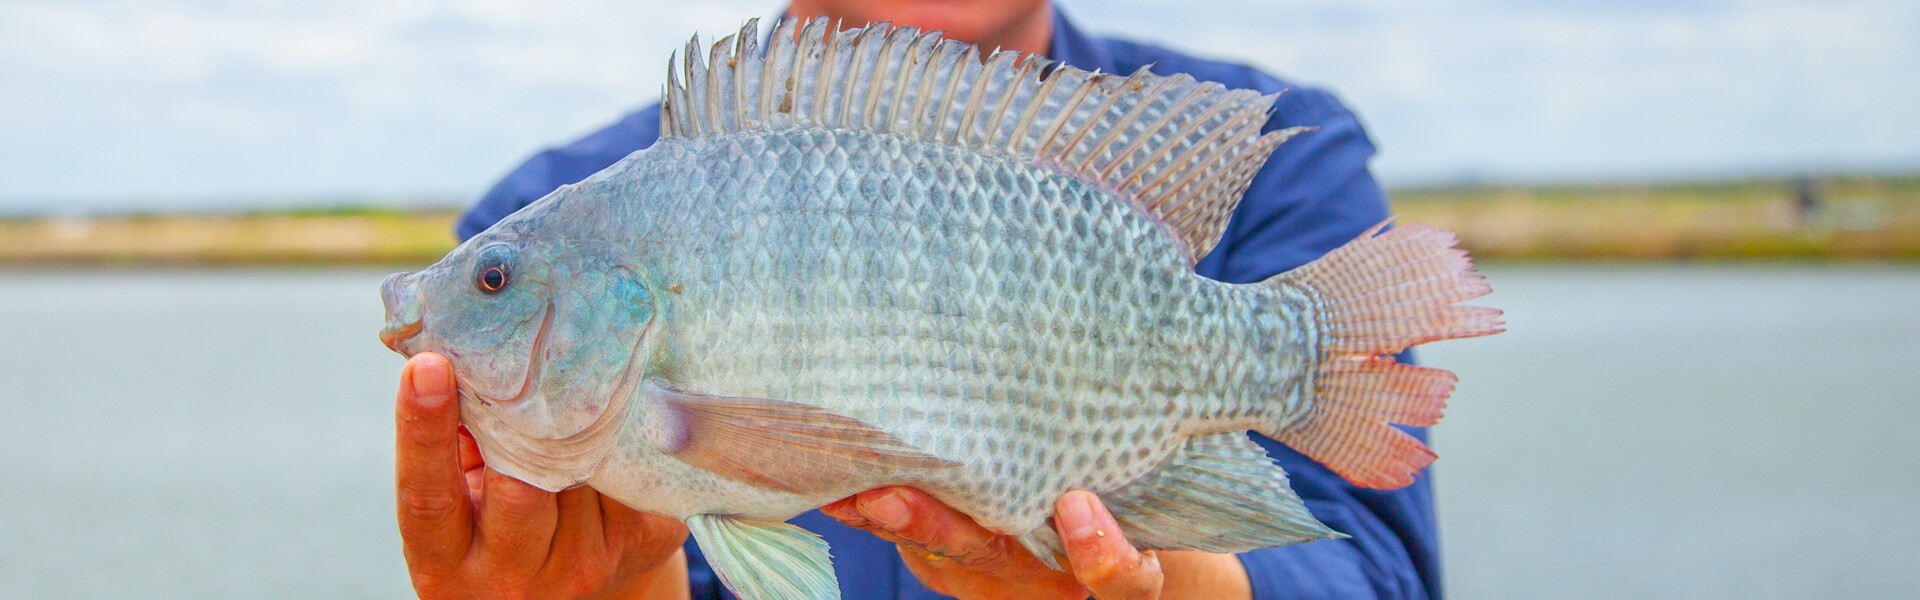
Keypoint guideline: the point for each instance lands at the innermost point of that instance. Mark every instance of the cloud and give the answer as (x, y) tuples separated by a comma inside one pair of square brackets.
[(1556, 90), (126, 103), (160, 104)]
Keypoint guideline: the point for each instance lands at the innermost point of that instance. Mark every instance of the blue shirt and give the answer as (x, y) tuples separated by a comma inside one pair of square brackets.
[(1314, 194)]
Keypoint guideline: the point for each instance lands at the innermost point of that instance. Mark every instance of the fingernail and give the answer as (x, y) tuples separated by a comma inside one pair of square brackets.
[(430, 382), (1076, 515), (889, 510), (837, 509)]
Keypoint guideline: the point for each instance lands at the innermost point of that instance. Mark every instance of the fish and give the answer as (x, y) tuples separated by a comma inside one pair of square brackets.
[(875, 256)]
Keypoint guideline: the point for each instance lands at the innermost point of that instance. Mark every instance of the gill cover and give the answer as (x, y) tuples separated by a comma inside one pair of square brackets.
[(583, 378)]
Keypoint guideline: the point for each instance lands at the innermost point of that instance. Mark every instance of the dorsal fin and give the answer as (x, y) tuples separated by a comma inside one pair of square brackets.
[(1180, 149)]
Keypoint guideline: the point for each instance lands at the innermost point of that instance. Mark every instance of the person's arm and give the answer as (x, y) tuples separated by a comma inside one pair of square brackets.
[(468, 531)]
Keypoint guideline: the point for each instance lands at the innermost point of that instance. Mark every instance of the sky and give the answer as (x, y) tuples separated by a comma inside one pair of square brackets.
[(117, 105)]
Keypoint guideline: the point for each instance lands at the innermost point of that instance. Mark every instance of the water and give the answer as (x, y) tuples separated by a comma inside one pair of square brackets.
[(1687, 432), (1696, 432)]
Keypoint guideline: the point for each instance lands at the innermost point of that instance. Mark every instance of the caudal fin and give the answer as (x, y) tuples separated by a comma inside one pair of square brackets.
[(1375, 296)]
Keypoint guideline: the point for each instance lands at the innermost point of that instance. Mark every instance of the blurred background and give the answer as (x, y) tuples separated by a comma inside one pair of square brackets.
[(1702, 218)]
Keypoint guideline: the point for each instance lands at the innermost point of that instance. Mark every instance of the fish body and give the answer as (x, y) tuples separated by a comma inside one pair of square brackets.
[(970, 306), (870, 258)]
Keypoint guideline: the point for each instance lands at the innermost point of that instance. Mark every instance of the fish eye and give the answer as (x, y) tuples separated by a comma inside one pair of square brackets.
[(493, 279), (494, 271)]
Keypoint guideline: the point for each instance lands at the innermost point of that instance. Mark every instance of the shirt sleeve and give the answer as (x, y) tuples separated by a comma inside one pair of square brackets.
[(1313, 195)]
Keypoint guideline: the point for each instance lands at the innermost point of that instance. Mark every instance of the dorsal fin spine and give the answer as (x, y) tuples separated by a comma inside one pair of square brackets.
[(992, 129), (1026, 116), (974, 96), (824, 76), (1067, 112), (790, 87), (717, 80), (876, 71), (807, 64), (666, 104), (696, 83), (908, 61), (927, 78), (883, 59), (850, 92), (668, 123), (746, 48), (669, 109), (969, 56), (770, 64)]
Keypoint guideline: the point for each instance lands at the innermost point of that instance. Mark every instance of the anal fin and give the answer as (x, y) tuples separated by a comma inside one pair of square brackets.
[(788, 446), (766, 560), (1218, 493)]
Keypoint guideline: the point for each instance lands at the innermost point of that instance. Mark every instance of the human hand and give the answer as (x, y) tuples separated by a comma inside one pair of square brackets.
[(470, 532), (954, 555)]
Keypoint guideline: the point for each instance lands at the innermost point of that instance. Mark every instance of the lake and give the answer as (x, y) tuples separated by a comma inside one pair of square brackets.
[(1717, 431)]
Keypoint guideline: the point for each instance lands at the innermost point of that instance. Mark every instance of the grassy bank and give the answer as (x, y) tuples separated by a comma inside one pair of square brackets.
[(290, 238), (1857, 218)]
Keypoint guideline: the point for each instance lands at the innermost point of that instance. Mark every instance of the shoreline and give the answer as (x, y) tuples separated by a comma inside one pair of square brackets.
[(1851, 218)]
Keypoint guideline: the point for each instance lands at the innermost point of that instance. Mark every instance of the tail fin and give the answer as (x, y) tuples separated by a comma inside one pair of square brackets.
[(1375, 296)]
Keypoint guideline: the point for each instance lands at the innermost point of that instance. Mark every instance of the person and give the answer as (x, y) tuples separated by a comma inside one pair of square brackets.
[(470, 531)]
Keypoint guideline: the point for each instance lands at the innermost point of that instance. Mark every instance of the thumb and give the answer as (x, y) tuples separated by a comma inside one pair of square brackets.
[(435, 518)]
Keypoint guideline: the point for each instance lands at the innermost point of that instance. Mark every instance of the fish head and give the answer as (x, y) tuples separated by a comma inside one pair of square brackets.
[(545, 331)]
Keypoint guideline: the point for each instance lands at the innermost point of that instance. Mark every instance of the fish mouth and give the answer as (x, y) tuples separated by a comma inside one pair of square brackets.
[(535, 362), (394, 336), (403, 312)]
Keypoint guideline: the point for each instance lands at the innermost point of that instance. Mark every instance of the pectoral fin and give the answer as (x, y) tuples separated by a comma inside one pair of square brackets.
[(766, 560), (786, 446)]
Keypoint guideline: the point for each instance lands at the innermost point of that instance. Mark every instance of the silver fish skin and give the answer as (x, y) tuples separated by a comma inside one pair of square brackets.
[(871, 258)]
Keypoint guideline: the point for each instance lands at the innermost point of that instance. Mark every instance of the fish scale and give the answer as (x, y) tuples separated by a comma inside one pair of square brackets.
[(879, 258)]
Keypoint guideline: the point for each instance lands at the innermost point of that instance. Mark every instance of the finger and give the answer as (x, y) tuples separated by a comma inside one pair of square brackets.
[(436, 520), (578, 524), (469, 451), (912, 515), (937, 574), (579, 550), (476, 485), (623, 526), (931, 569), (1102, 559), (641, 540), (473, 466), (842, 510), (949, 578), (516, 525)]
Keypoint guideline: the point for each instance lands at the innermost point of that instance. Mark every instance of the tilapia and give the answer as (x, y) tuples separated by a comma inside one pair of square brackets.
[(877, 257)]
